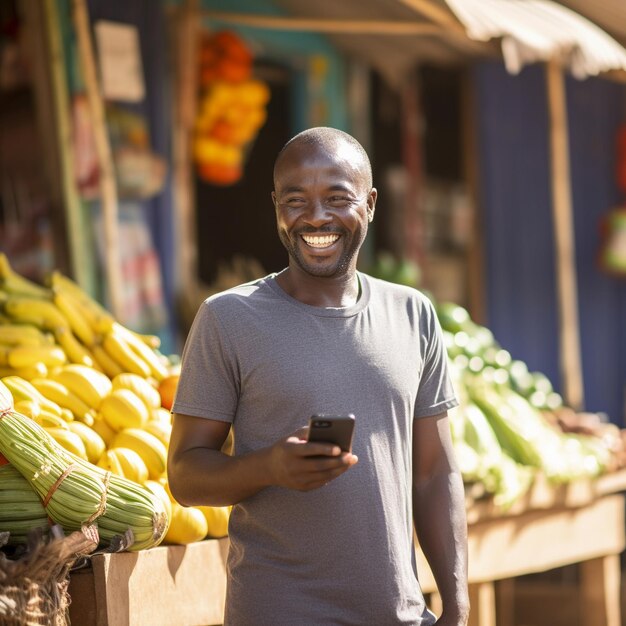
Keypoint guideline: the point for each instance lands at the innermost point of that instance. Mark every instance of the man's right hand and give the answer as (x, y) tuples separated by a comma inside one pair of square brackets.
[(298, 464)]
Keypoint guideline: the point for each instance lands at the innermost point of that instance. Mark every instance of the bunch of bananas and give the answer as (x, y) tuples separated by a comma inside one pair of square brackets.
[(95, 386)]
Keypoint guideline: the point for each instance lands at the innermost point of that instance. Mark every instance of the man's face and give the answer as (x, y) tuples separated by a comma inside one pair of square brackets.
[(323, 206)]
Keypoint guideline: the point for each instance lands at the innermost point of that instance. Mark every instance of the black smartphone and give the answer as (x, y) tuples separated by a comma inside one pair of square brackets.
[(337, 429)]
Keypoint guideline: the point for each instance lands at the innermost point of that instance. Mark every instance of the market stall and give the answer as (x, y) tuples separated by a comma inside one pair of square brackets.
[(532, 516), (547, 529)]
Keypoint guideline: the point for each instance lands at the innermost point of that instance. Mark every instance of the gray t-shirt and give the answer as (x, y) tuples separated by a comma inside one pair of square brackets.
[(256, 357)]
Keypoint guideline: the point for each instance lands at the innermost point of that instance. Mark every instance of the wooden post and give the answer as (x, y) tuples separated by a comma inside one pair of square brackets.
[(53, 109), (108, 184), (186, 35), (413, 222), (600, 589), (564, 237)]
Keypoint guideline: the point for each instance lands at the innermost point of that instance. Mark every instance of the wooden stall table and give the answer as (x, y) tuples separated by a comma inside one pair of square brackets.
[(578, 523)]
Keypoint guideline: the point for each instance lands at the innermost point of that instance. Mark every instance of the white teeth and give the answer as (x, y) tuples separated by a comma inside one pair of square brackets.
[(320, 242)]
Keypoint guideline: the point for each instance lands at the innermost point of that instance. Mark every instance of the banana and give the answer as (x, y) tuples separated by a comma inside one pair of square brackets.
[(119, 350), (59, 393), (24, 391), (19, 357), (110, 367), (13, 282), (41, 313), (94, 313), (88, 418), (149, 448), (69, 440), (44, 418), (122, 408), (90, 385), (76, 317), (30, 408), (94, 444), (140, 386), (152, 341), (143, 351), (67, 415), (74, 349), (21, 335), (39, 370)]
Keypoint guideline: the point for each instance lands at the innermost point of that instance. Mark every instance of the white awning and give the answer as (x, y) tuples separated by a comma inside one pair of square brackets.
[(540, 30)]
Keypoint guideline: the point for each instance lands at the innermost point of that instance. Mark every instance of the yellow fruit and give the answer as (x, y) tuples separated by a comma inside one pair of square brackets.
[(187, 525), (110, 367), (67, 415), (159, 491), (94, 444), (124, 462), (132, 464), (41, 313), (74, 349), (143, 351), (160, 414), (90, 385), (21, 335), (73, 312), (22, 389), (101, 427), (118, 349), (49, 420), (61, 395), (88, 419), (160, 430), (20, 357), (69, 440), (111, 463), (38, 370), (140, 386), (30, 408), (149, 448), (217, 520), (122, 408)]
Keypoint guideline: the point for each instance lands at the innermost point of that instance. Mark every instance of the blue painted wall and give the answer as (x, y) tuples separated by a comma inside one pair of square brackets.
[(512, 127)]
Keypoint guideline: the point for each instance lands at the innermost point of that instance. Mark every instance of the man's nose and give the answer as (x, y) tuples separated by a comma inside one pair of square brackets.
[(317, 213)]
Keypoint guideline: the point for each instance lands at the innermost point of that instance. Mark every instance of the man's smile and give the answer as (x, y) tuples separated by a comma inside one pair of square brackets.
[(320, 241)]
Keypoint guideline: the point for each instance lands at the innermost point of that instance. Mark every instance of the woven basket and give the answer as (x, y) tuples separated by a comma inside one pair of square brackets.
[(33, 587)]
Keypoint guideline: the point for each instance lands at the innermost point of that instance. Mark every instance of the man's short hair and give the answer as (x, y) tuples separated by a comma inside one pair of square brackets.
[(328, 138)]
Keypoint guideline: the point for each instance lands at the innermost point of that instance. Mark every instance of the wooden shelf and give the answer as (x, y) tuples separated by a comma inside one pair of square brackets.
[(581, 522)]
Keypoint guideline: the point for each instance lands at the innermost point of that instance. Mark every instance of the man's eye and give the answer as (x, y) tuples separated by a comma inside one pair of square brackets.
[(339, 200)]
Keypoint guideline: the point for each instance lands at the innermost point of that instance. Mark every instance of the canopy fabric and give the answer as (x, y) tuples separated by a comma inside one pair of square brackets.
[(540, 30)]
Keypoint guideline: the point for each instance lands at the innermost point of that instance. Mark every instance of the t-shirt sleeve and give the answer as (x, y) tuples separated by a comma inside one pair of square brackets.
[(208, 384), (435, 393)]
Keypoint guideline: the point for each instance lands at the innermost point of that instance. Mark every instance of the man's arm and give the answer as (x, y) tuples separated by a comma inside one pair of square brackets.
[(439, 514), (199, 473)]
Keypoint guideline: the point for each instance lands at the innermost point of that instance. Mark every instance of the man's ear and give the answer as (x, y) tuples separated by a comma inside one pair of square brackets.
[(371, 204), (273, 194)]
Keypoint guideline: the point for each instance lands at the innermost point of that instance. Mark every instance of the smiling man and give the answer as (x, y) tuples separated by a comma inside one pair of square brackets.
[(321, 536)]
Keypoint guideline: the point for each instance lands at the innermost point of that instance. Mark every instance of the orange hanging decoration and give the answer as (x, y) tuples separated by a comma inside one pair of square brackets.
[(231, 111)]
